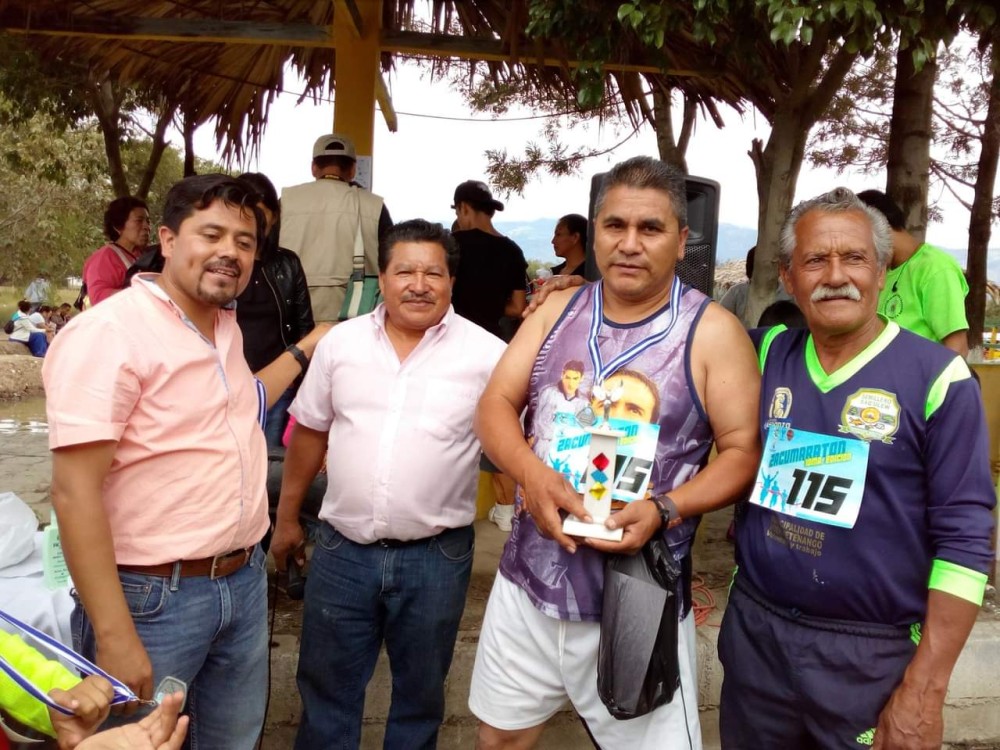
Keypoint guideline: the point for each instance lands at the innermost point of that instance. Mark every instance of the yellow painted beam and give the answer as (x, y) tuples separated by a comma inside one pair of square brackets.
[(385, 104), (356, 72)]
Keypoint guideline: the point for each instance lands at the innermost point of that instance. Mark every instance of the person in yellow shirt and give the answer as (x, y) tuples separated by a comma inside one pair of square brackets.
[(90, 701)]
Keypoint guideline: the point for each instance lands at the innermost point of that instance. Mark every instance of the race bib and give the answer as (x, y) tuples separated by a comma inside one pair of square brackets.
[(569, 454), (812, 476)]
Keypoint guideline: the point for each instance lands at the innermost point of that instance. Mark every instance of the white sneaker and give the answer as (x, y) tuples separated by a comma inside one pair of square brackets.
[(501, 515)]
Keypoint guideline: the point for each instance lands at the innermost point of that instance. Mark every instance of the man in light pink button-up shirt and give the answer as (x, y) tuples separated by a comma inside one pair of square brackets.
[(159, 469), (392, 394)]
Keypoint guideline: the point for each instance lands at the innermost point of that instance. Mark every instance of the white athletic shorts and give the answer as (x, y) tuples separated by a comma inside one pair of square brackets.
[(528, 665)]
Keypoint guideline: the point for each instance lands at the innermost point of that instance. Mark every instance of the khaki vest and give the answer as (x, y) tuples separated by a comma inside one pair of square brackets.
[(318, 221)]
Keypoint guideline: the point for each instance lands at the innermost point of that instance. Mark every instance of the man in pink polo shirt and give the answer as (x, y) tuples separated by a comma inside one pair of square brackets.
[(159, 468), (392, 394)]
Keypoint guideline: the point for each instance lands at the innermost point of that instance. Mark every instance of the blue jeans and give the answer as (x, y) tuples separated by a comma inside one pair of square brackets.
[(210, 634), (277, 419), (358, 596), (38, 343)]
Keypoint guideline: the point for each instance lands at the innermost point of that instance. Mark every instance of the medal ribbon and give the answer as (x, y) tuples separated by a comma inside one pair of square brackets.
[(597, 319), (123, 694)]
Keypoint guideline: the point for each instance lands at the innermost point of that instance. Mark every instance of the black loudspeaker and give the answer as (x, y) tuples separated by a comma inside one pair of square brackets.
[(697, 268)]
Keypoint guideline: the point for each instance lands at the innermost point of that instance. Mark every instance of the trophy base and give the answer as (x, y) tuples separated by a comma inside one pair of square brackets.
[(575, 527)]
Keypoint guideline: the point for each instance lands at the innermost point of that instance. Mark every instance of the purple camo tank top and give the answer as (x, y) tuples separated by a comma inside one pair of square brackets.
[(570, 587)]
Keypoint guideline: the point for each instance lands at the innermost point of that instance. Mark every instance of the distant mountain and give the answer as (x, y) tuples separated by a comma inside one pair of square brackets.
[(992, 261), (535, 239)]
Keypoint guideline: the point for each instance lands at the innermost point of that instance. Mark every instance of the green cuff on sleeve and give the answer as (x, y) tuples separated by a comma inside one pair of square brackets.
[(958, 581)]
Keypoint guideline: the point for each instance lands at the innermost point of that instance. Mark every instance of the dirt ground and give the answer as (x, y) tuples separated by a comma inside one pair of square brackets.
[(20, 374)]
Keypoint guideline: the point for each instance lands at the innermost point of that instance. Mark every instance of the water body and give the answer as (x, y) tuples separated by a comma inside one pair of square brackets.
[(24, 416)]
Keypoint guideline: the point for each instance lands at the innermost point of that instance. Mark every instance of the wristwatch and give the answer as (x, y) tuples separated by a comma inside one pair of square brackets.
[(669, 515), (300, 356)]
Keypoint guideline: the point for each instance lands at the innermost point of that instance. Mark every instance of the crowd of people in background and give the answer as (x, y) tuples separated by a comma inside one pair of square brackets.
[(35, 325), (217, 334)]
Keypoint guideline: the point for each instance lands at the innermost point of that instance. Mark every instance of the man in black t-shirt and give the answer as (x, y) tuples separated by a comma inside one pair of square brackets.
[(491, 281)]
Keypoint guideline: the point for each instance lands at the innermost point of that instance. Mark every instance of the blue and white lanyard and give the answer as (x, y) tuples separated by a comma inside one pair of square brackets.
[(261, 403), (123, 694), (601, 371)]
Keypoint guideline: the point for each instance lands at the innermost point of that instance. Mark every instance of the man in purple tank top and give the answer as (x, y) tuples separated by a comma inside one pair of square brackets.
[(677, 374)]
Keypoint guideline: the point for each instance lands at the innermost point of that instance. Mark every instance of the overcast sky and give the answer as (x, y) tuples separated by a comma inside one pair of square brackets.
[(416, 169)]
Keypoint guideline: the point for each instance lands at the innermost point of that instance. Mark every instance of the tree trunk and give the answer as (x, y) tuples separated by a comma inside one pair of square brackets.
[(777, 165), (158, 146), (189, 127), (908, 155), (671, 151), (981, 216), (107, 108)]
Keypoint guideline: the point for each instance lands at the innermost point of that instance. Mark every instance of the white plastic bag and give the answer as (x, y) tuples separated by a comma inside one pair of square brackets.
[(17, 529)]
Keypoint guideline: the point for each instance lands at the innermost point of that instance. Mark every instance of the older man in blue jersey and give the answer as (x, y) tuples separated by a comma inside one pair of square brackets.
[(856, 592)]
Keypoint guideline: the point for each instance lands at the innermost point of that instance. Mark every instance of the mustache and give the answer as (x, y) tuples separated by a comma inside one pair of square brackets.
[(225, 263), (418, 297), (831, 292)]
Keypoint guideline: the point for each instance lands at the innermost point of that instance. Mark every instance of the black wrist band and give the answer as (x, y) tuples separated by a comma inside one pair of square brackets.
[(668, 510), (300, 356)]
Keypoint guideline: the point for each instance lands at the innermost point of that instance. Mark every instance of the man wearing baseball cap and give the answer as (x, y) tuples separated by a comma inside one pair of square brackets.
[(322, 220)]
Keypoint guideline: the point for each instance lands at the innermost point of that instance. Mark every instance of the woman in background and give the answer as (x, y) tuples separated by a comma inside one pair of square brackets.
[(126, 226)]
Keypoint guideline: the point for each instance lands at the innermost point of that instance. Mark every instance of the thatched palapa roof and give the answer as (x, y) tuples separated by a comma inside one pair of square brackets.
[(227, 58)]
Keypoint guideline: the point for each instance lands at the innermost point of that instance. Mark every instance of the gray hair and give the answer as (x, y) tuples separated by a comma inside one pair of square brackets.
[(838, 200), (645, 172)]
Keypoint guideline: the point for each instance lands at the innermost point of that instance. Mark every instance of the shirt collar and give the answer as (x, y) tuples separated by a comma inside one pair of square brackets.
[(147, 282)]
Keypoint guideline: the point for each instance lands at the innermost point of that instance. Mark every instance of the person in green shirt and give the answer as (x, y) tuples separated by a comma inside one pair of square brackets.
[(925, 287)]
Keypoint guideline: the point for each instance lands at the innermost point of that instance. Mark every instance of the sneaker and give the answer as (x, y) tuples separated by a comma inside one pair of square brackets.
[(501, 515)]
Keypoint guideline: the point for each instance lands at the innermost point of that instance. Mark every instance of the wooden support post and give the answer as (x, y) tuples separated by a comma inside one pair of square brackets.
[(357, 70)]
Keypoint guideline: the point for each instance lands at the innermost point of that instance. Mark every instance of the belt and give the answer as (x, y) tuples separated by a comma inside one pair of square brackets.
[(219, 566), (391, 543), (402, 542)]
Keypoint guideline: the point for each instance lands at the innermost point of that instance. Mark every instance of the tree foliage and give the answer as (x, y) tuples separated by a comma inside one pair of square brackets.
[(854, 133), (789, 57), (71, 94), (54, 188)]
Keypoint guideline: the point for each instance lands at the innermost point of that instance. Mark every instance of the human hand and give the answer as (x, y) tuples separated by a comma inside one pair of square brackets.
[(639, 520), (124, 657), (545, 492), (161, 730), (308, 342), (911, 720), (288, 539), (555, 284), (90, 702)]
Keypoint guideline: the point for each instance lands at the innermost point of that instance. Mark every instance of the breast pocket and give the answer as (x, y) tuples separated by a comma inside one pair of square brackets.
[(447, 409)]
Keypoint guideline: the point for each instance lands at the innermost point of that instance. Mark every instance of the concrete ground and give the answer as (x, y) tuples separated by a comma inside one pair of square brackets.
[(972, 715)]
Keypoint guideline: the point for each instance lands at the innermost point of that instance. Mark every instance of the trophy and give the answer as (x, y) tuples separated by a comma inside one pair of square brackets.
[(599, 478)]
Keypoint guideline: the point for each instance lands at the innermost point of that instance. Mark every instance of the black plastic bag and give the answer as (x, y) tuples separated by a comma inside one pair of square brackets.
[(637, 668)]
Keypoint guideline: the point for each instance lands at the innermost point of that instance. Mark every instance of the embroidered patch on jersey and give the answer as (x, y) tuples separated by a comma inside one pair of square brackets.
[(894, 306), (870, 414), (781, 403)]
